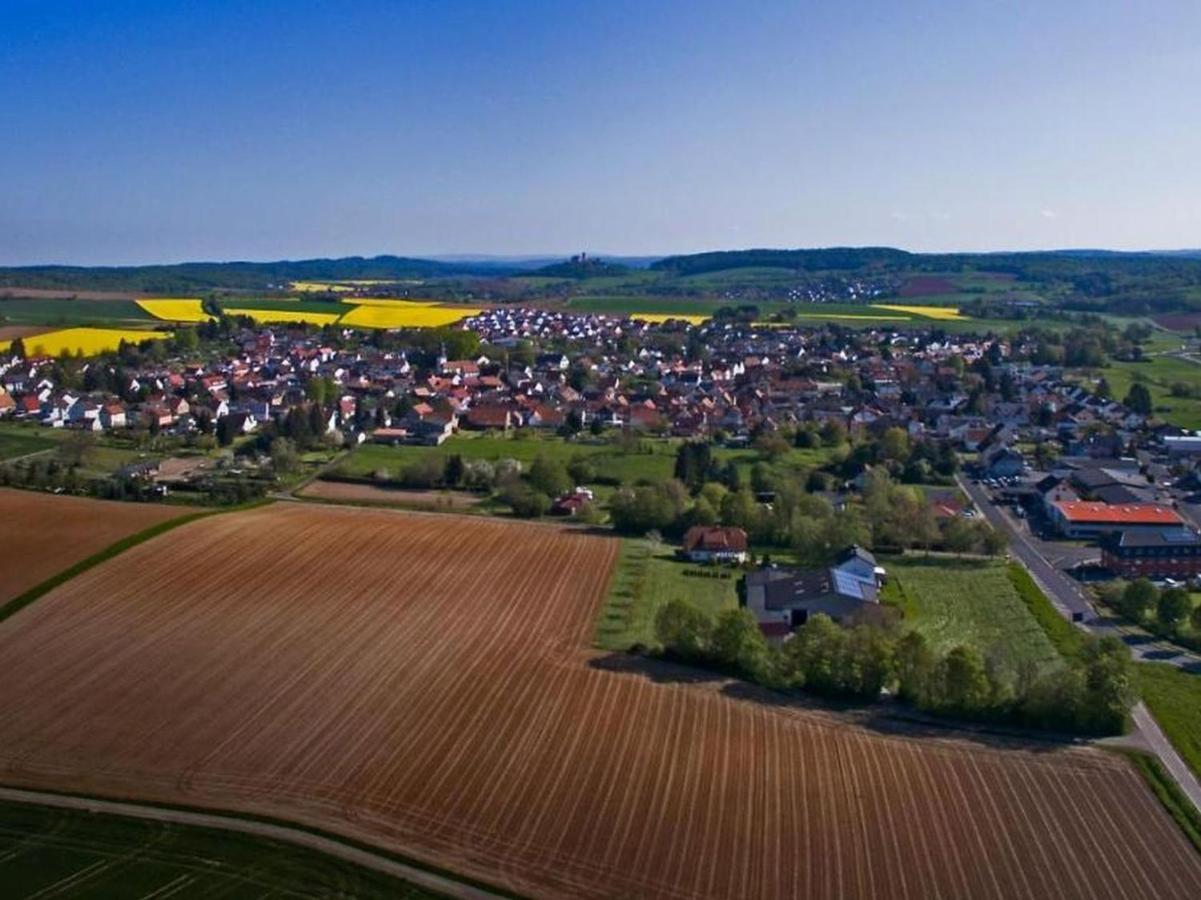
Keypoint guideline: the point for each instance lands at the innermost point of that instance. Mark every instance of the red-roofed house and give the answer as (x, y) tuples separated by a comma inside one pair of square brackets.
[(704, 543), (1090, 519)]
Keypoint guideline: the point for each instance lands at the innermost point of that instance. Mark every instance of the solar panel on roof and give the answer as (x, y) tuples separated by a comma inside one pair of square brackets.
[(1178, 537)]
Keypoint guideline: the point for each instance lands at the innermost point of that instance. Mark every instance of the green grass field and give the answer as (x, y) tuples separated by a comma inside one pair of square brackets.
[(646, 577), (46, 851), (14, 444), (73, 312), (1158, 374), (610, 461), (1174, 698), (967, 602)]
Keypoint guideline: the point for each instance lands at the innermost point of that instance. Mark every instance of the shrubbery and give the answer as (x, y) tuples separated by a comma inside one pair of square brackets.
[(1090, 692)]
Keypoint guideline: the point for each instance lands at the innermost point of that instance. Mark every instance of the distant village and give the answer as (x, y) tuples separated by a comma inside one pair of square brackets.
[(1088, 465)]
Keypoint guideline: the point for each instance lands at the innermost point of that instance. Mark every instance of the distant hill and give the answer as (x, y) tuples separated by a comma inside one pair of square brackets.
[(834, 258), (200, 276), (581, 267)]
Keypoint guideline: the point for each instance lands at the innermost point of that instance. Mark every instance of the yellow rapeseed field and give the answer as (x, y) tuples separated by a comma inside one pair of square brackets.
[(660, 318), (175, 309), (388, 301), (88, 341), (276, 316), (405, 315), (928, 312)]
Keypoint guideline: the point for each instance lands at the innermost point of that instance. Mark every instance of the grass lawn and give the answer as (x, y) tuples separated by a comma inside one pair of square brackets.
[(14, 444), (646, 577), (971, 602), (1174, 698), (99, 855), (1159, 373), (610, 460)]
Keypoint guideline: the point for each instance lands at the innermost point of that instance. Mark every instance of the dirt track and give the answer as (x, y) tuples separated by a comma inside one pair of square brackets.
[(423, 682)]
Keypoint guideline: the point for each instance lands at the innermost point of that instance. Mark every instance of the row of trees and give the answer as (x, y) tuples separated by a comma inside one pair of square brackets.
[(1169, 611), (1092, 694)]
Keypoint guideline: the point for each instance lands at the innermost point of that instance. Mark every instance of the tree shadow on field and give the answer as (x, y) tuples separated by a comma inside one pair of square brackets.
[(887, 718), (654, 669)]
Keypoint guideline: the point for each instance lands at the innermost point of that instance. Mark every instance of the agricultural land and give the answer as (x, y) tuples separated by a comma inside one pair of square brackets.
[(425, 683)]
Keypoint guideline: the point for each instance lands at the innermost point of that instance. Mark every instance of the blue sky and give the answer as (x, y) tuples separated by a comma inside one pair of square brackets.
[(163, 131)]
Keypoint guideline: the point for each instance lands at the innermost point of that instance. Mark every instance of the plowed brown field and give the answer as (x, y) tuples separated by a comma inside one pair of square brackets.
[(42, 534), (424, 683)]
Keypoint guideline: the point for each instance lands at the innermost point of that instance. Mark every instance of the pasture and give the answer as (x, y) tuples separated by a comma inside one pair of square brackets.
[(57, 852), (43, 534), (424, 683), (954, 601)]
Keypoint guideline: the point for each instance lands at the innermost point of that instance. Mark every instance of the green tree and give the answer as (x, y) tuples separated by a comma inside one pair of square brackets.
[(814, 657), (913, 664), (1108, 686), (1195, 619), (284, 458), (683, 630), (1138, 399), (549, 476), (737, 642), (961, 682), (1173, 608), (452, 472), (1139, 598), (868, 664)]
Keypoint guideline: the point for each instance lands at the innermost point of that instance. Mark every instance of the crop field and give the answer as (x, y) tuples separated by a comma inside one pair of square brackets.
[(84, 341), (280, 316), (58, 852), (175, 309), (405, 315), (42, 534), (928, 312), (424, 683), (67, 312), (967, 602), (660, 318)]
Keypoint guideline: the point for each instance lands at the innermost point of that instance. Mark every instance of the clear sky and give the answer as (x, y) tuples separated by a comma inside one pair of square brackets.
[(167, 130)]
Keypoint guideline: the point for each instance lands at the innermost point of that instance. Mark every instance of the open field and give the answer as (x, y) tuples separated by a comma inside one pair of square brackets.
[(14, 444), (348, 492), (966, 602), (1159, 373), (611, 463), (85, 341), (42, 534), (84, 854), (1174, 698), (64, 312), (396, 314), (282, 316), (175, 309), (424, 683)]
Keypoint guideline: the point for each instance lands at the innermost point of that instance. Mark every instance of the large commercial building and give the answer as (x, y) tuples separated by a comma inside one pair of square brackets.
[(1090, 519), (1162, 553)]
